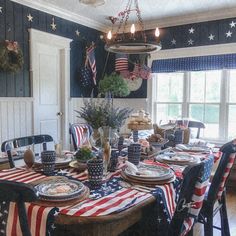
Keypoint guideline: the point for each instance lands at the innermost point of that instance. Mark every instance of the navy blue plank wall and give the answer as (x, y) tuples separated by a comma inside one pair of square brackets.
[(14, 25)]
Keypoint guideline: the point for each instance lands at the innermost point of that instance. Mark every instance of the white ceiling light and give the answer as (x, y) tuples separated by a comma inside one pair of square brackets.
[(94, 3)]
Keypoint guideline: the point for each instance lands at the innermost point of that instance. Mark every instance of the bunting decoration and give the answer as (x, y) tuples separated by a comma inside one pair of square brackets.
[(121, 63)]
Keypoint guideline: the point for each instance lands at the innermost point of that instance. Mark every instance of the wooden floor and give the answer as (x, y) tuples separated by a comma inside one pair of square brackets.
[(231, 210)]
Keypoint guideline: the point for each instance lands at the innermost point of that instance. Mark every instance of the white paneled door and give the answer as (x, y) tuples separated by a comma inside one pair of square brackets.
[(47, 83), (50, 77)]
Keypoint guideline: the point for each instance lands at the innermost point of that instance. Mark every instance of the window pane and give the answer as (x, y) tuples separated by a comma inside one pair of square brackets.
[(196, 111), (197, 85), (167, 112), (209, 114), (213, 82), (170, 87), (232, 86), (232, 122), (212, 114), (211, 121)]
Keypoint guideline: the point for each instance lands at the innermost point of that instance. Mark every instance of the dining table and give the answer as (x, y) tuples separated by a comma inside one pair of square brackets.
[(117, 211)]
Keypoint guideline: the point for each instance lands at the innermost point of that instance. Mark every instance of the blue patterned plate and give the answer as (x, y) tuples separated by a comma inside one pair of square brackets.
[(59, 189)]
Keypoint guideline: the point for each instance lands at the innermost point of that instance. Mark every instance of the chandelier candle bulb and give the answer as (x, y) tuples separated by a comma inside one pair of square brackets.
[(109, 35), (132, 29), (157, 32)]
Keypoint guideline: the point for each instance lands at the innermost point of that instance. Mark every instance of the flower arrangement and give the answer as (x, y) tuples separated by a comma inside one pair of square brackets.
[(11, 57), (101, 112)]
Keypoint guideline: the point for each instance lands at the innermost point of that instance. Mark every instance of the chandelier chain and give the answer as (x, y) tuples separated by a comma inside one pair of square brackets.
[(140, 20), (123, 16)]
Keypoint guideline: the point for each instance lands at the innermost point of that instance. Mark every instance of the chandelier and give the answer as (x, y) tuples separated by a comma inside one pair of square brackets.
[(135, 41)]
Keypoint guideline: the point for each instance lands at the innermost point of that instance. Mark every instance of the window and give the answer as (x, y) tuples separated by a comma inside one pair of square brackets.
[(208, 96)]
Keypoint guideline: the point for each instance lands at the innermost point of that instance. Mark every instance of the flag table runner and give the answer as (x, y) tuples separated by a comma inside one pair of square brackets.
[(99, 203)]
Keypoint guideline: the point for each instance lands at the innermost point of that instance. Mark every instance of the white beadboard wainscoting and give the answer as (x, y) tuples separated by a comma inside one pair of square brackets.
[(16, 114), (133, 103), (16, 117)]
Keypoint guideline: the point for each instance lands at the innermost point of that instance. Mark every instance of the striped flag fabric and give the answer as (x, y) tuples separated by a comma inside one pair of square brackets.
[(121, 62), (77, 130), (226, 174), (100, 202), (39, 216), (92, 62), (198, 196), (115, 202)]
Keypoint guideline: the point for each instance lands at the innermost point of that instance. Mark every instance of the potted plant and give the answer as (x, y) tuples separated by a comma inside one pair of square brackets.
[(115, 85), (82, 155)]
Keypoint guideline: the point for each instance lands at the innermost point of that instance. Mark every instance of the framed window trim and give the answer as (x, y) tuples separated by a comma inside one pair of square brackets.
[(192, 52)]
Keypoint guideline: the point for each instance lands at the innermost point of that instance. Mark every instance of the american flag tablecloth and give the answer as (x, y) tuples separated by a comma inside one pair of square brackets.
[(99, 203)]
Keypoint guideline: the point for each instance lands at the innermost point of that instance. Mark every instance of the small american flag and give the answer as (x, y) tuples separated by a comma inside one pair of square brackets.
[(92, 62), (145, 72), (121, 63), (198, 196), (136, 70)]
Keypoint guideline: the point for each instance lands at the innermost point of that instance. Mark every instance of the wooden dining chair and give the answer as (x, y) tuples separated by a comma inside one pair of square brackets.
[(194, 125), (19, 193), (76, 131), (13, 144), (195, 182), (215, 200)]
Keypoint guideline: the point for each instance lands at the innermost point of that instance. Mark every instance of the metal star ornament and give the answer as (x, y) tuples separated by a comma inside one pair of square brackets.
[(191, 30), (77, 32), (211, 37), (30, 17), (232, 24), (0, 9), (53, 25), (228, 34), (173, 42), (190, 42)]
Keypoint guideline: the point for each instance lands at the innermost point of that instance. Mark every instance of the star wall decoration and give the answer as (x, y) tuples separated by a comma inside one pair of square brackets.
[(211, 37), (53, 25), (191, 30), (30, 17), (190, 42), (228, 34), (173, 42), (77, 32), (0, 9), (232, 24)]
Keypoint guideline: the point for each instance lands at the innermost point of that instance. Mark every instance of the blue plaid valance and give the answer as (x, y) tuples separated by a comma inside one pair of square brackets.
[(201, 63)]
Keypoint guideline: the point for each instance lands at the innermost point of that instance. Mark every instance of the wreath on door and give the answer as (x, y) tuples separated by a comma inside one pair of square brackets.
[(11, 56)]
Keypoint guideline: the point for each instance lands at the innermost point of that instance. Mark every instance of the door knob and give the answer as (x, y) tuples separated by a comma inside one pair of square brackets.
[(59, 113)]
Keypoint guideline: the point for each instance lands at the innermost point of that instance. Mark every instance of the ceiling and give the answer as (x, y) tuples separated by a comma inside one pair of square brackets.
[(154, 12)]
